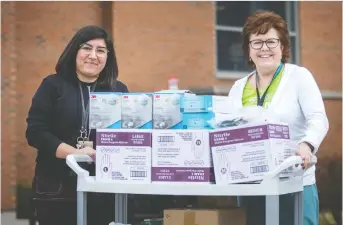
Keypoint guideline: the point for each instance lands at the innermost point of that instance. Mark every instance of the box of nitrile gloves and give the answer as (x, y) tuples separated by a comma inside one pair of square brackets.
[(123, 155), (246, 153), (181, 156)]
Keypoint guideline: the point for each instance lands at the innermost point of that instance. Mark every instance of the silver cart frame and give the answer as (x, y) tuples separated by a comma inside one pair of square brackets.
[(271, 187)]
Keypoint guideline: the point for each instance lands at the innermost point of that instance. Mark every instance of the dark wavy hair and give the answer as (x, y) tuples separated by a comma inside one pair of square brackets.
[(66, 65)]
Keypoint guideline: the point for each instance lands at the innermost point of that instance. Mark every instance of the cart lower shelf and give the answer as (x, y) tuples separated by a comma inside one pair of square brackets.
[(271, 187)]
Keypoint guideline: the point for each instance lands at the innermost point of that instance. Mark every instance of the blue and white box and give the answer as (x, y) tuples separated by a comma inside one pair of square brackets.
[(196, 104), (104, 110), (198, 110), (167, 109), (136, 111)]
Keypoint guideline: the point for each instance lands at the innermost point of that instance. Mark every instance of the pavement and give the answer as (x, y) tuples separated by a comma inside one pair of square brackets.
[(9, 218)]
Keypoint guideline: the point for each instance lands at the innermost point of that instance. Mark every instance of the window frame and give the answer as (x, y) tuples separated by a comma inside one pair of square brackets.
[(232, 74)]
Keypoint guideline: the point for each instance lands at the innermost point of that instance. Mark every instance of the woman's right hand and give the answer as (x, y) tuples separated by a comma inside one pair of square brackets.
[(87, 151)]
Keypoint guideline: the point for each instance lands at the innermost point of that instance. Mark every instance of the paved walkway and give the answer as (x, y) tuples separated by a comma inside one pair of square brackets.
[(9, 218)]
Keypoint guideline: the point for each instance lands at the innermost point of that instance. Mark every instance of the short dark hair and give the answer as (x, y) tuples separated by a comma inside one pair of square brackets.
[(66, 65), (260, 23)]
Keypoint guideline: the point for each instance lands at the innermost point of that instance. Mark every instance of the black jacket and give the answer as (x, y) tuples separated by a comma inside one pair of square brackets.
[(55, 117)]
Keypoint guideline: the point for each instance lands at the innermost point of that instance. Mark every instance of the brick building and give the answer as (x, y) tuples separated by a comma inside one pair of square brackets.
[(153, 41)]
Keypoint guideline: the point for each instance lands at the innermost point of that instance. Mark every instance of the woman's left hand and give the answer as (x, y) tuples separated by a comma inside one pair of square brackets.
[(304, 151)]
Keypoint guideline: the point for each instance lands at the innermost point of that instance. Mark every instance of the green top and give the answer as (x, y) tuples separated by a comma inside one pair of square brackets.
[(249, 97)]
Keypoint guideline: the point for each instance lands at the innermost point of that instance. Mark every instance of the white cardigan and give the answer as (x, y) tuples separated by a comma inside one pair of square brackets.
[(298, 102)]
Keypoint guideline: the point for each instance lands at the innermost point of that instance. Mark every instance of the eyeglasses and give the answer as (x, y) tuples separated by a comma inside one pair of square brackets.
[(258, 44), (87, 48)]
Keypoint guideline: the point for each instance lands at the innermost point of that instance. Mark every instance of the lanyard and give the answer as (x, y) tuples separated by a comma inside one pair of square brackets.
[(85, 111), (260, 100)]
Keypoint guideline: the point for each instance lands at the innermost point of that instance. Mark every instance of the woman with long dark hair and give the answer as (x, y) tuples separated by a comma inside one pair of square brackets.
[(57, 125)]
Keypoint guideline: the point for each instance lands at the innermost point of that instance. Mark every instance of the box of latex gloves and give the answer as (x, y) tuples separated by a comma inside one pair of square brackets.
[(246, 153), (181, 156), (136, 111), (104, 110), (166, 109), (199, 110), (123, 155)]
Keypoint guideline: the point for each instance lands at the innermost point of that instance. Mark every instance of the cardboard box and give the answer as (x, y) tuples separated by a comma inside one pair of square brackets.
[(204, 217), (158, 221), (166, 111), (123, 155), (246, 153), (181, 156), (136, 111), (104, 110)]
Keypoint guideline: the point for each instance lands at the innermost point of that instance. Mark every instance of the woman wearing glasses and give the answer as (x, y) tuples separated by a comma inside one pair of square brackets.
[(57, 125), (291, 92)]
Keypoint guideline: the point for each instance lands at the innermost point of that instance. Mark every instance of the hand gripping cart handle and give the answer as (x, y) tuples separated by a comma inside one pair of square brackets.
[(271, 187)]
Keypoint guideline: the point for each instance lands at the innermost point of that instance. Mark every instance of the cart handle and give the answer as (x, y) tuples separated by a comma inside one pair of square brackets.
[(289, 162), (73, 159), (72, 162)]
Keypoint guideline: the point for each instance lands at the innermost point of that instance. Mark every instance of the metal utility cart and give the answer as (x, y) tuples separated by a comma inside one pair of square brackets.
[(271, 187)]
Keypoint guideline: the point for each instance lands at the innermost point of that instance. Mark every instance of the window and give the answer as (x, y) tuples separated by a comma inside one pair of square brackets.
[(230, 18)]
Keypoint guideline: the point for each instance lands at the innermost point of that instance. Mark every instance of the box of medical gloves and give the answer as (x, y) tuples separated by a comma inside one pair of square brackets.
[(181, 156), (136, 111), (198, 110), (104, 110), (123, 155), (246, 153)]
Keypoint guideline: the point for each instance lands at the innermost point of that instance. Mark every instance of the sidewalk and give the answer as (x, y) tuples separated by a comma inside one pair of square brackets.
[(8, 218)]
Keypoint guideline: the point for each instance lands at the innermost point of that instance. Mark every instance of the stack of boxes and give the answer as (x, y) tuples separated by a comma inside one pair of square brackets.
[(167, 137), (180, 150)]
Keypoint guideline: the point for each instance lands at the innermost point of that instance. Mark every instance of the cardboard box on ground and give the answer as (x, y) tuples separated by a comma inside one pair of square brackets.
[(204, 217)]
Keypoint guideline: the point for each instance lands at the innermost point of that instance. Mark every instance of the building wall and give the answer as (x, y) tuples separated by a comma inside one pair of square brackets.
[(153, 41), (41, 31), (178, 43), (9, 103), (320, 28)]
